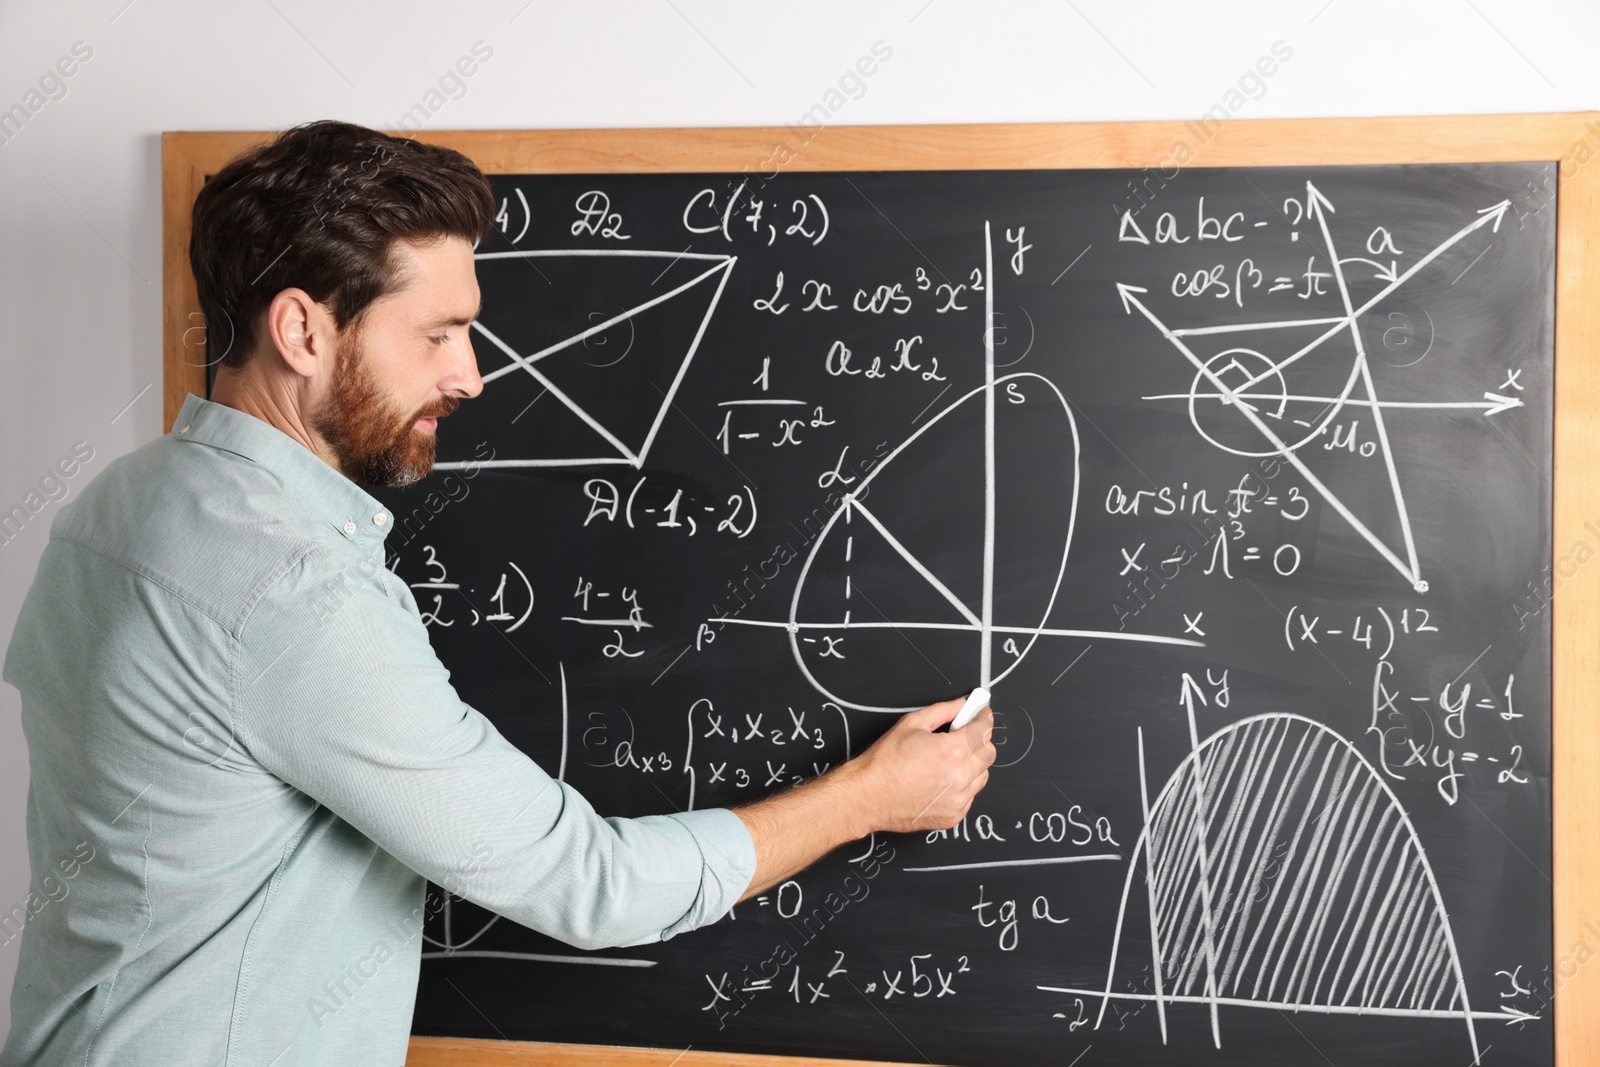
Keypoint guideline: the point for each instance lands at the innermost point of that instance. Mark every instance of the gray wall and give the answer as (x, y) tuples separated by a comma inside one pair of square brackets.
[(80, 185)]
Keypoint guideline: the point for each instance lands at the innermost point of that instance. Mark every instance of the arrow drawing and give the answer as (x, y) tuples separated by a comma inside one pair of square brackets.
[(1253, 384)]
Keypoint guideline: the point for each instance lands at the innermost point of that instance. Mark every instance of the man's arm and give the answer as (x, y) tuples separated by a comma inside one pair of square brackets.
[(910, 779), (352, 707)]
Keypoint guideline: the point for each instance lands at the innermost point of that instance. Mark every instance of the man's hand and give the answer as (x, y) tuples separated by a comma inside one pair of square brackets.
[(910, 779), (914, 779)]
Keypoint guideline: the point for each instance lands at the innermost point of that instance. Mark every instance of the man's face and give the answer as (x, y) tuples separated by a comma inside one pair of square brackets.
[(404, 364)]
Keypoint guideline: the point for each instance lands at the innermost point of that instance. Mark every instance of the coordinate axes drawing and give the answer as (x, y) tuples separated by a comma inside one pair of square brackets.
[(1281, 871), (1253, 383), (978, 620)]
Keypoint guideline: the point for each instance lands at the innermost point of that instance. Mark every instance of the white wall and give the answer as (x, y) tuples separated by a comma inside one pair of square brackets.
[(80, 185)]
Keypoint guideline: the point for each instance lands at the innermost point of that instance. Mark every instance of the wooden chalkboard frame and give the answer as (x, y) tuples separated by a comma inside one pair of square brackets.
[(1571, 140)]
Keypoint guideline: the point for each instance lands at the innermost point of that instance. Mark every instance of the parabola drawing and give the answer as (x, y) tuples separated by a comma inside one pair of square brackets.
[(1281, 871)]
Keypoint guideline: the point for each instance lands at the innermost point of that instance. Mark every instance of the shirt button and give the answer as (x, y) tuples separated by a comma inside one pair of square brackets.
[(379, 519), (186, 428), (350, 527)]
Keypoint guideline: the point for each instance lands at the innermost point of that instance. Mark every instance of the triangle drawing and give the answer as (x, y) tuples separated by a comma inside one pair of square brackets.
[(867, 574), (586, 352), (1244, 385)]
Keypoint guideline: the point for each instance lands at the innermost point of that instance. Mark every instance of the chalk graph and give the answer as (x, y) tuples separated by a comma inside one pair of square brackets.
[(955, 614), (1254, 384), (1281, 871)]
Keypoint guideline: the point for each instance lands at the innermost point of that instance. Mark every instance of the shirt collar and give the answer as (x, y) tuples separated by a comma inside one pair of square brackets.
[(353, 513)]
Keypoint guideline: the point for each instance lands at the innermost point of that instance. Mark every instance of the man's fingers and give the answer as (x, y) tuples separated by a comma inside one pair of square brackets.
[(978, 734), (915, 819), (970, 793), (935, 715), (981, 726), (953, 767)]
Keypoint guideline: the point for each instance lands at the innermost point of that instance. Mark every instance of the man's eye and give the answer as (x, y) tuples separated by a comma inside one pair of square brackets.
[(441, 339)]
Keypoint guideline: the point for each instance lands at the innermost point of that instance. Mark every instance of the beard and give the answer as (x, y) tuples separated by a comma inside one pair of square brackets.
[(374, 442)]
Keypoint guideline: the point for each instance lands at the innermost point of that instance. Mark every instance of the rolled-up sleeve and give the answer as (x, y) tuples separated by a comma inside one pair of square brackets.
[(338, 692)]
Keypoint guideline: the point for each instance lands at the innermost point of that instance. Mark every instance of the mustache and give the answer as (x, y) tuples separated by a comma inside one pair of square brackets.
[(446, 406)]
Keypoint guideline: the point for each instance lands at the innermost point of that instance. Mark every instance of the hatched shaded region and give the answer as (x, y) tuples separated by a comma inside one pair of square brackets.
[(1319, 890), (1280, 871)]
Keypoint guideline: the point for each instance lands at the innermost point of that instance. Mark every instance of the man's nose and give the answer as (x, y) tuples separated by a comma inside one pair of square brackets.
[(463, 378)]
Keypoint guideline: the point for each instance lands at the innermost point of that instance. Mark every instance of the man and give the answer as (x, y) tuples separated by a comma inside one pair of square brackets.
[(235, 794)]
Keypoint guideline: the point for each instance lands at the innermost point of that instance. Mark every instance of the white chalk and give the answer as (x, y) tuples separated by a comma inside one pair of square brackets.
[(969, 711)]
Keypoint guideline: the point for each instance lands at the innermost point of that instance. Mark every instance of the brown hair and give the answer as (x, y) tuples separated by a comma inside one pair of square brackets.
[(319, 209)]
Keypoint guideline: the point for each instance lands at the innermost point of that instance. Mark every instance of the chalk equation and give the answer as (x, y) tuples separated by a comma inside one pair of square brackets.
[(1231, 499)]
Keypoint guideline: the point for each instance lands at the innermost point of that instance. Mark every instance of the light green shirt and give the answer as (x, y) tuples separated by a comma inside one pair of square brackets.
[(245, 759)]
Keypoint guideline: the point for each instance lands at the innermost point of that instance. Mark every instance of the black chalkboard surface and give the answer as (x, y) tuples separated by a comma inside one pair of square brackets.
[(1235, 507)]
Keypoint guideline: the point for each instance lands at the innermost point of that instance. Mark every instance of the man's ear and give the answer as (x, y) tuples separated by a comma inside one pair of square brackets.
[(302, 331)]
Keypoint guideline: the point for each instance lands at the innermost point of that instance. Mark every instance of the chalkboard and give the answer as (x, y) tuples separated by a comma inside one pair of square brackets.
[(1098, 727), (1235, 485)]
